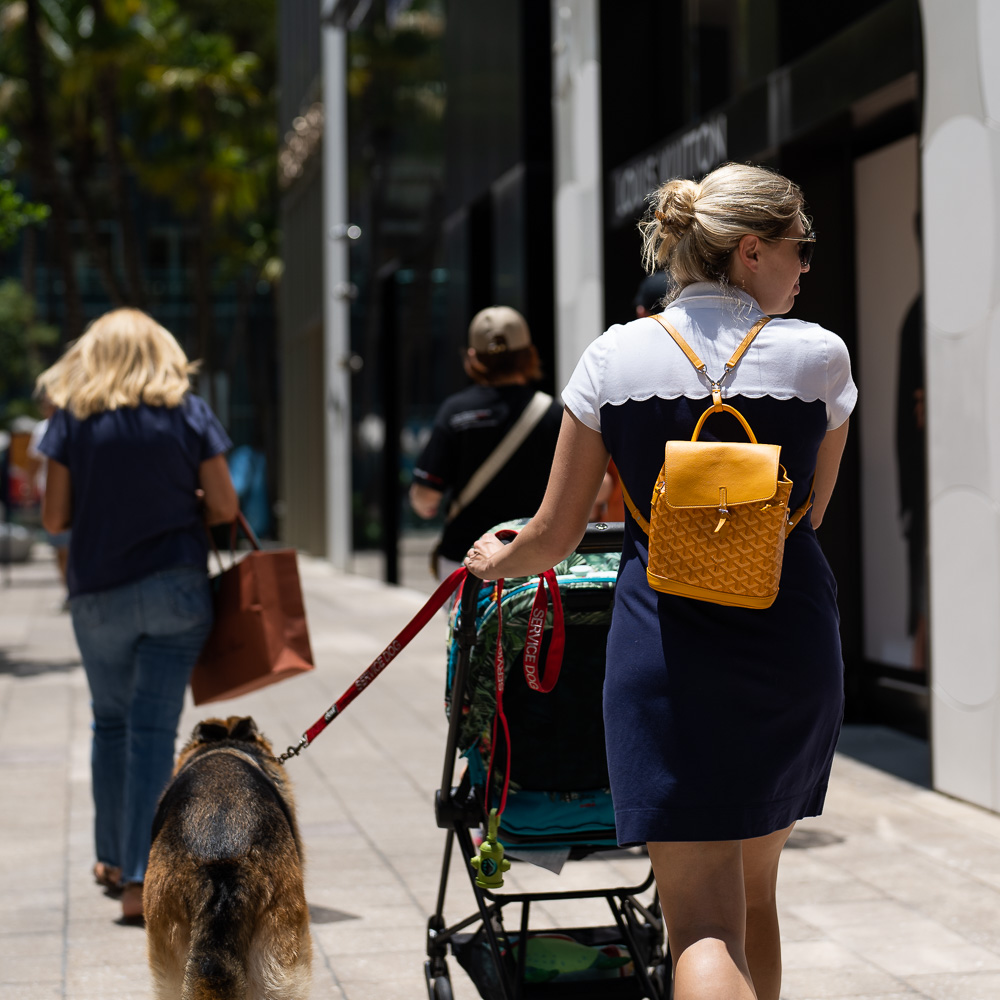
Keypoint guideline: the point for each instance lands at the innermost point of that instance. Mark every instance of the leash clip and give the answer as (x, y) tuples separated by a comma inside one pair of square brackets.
[(294, 751)]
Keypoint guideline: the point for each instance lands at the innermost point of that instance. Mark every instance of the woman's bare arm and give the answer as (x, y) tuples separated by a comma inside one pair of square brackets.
[(827, 467), (57, 504), (221, 503), (577, 473)]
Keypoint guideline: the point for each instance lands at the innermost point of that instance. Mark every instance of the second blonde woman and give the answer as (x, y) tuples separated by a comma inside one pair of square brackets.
[(136, 466)]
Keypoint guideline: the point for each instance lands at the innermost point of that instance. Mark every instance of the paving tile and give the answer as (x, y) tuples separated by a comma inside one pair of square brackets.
[(824, 954), (43, 991), (398, 965), (837, 983), (125, 975), (29, 969), (23, 918), (957, 986), (43, 947), (894, 894)]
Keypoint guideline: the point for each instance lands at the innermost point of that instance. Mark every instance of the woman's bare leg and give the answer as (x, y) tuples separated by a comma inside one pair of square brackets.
[(702, 894), (763, 942)]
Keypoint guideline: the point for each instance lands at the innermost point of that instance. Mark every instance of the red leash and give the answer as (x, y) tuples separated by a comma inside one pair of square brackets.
[(422, 617), (532, 650)]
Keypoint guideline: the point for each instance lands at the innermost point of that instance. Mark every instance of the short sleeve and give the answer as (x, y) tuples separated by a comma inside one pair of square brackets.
[(55, 443), (841, 392), (212, 438), (582, 395), (37, 433), (435, 465)]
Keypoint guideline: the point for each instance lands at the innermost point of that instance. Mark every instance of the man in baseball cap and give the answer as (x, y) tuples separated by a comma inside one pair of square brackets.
[(502, 363)]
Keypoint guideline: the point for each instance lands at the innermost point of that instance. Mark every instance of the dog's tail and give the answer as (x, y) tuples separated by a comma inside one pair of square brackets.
[(217, 965)]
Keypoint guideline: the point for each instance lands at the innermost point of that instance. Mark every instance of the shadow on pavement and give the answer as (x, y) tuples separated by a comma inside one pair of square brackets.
[(896, 753), (11, 664)]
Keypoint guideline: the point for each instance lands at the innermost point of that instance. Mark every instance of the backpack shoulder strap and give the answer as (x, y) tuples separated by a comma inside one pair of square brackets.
[(802, 510), (636, 516), (700, 367)]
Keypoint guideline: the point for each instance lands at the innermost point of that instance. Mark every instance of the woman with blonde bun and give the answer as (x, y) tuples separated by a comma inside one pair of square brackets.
[(721, 722), (136, 466)]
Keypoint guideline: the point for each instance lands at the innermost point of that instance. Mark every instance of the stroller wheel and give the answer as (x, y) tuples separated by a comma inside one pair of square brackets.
[(442, 988)]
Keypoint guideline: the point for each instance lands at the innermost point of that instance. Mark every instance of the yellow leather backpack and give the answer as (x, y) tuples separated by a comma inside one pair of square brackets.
[(719, 512)]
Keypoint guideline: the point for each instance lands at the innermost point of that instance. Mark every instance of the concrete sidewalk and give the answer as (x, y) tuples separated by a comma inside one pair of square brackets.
[(893, 893)]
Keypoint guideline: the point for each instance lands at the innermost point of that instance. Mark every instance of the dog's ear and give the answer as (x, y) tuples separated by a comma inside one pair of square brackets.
[(210, 731), (243, 729)]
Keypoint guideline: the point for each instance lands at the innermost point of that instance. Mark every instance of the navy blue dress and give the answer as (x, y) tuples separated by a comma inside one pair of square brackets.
[(721, 722)]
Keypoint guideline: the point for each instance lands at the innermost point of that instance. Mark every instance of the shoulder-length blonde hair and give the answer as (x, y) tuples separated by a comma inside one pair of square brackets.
[(123, 358)]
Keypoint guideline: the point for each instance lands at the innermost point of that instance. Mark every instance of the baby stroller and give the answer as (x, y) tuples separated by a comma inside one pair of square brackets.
[(557, 806)]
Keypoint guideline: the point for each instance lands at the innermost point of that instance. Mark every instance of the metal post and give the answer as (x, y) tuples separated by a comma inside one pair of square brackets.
[(389, 378), (336, 291)]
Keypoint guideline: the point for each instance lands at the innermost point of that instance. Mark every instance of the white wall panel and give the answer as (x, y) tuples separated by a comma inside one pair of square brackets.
[(576, 111), (989, 64), (960, 240), (961, 210)]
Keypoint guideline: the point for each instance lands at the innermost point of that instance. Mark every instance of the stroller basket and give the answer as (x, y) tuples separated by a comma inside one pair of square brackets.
[(558, 803), (577, 962)]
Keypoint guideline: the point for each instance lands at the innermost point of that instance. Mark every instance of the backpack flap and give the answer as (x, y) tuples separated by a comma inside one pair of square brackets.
[(714, 473)]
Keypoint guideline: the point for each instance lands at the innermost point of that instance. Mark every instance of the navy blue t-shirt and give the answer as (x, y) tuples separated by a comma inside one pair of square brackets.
[(133, 475)]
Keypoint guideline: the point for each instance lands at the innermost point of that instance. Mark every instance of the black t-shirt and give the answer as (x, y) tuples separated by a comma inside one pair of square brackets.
[(469, 425)]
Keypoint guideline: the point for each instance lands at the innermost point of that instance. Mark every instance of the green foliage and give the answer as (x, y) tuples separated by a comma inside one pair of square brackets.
[(195, 87), (16, 213), (25, 348)]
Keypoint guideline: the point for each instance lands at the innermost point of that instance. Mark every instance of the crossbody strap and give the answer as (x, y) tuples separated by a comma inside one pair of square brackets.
[(528, 420), (701, 367)]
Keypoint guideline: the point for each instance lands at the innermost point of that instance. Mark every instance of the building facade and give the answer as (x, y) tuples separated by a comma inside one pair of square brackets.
[(885, 112)]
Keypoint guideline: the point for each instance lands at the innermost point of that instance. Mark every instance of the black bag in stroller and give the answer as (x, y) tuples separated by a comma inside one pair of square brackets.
[(549, 770)]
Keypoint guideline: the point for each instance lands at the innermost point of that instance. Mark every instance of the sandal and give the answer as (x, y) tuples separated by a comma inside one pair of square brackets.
[(108, 876), (132, 903)]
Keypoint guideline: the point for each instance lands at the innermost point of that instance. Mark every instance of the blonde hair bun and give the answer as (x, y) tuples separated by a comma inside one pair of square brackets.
[(692, 229), (676, 205)]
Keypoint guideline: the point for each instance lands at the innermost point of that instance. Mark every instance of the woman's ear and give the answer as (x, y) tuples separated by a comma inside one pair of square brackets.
[(748, 252)]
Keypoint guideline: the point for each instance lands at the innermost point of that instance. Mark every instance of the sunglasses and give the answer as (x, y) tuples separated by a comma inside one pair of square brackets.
[(807, 244)]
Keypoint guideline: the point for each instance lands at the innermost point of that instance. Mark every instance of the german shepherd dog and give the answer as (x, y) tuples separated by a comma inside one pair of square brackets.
[(225, 907)]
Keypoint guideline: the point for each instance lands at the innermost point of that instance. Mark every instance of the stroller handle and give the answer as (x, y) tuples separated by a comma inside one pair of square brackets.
[(602, 536)]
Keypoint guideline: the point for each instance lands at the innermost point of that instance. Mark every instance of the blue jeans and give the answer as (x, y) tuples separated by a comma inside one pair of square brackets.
[(139, 643)]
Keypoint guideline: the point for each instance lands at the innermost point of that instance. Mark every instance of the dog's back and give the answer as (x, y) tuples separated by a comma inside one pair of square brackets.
[(224, 899)]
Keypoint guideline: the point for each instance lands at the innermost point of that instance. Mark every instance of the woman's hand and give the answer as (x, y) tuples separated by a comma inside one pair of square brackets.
[(477, 559)]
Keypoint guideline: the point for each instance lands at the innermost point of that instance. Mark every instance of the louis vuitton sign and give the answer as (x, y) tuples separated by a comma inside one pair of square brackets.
[(691, 154)]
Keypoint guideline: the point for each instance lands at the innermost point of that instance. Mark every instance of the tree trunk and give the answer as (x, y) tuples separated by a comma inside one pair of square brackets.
[(203, 292), (108, 107), (98, 253), (203, 263), (29, 259), (106, 92), (46, 176)]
